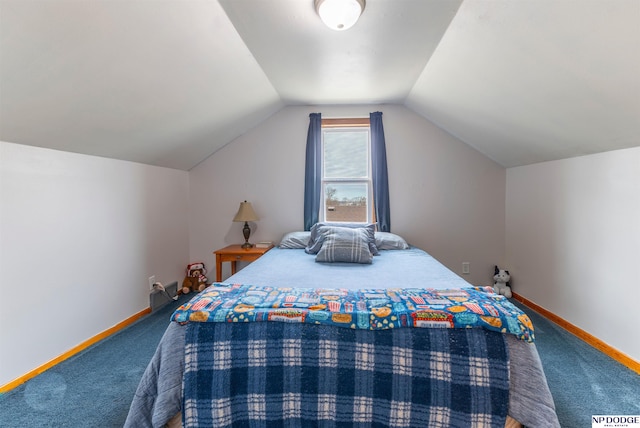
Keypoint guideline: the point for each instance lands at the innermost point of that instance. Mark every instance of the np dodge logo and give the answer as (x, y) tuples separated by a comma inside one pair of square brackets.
[(615, 421)]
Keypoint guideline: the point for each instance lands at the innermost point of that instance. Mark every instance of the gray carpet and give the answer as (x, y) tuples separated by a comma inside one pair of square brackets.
[(95, 387)]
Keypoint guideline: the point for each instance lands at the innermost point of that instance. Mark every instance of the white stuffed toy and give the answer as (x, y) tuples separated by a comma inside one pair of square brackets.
[(501, 279)]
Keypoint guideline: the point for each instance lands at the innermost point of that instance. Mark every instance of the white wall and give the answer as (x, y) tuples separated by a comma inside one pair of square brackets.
[(573, 242), (79, 237), (445, 197)]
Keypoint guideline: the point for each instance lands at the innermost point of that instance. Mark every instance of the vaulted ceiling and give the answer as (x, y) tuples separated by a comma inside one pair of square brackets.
[(169, 82)]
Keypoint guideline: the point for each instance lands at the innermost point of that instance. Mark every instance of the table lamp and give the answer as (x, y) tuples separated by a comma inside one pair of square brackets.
[(246, 213)]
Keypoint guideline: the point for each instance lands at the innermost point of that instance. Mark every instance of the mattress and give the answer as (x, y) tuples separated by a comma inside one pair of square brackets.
[(159, 395), (410, 268)]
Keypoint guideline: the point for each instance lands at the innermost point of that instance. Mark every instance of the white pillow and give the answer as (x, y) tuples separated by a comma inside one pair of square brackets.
[(390, 241), (295, 240)]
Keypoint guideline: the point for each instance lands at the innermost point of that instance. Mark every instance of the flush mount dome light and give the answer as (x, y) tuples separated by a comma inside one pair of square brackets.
[(339, 15)]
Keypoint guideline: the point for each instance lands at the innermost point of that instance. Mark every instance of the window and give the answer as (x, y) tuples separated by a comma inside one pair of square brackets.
[(346, 171), (377, 182)]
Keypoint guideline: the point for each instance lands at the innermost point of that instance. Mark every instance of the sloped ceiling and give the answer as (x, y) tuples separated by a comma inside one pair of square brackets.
[(169, 82)]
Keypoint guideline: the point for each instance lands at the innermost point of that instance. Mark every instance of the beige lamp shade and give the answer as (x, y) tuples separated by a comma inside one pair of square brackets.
[(246, 213)]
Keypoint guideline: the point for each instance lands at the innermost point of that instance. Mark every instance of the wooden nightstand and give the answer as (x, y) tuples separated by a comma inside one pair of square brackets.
[(234, 254)]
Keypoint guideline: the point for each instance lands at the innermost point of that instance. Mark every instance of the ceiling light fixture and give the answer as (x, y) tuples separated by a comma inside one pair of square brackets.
[(339, 15)]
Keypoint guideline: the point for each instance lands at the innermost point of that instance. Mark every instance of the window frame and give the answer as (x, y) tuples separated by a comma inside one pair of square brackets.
[(347, 125)]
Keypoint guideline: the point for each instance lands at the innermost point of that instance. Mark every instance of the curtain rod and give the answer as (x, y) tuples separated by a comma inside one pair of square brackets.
[(344, 122)]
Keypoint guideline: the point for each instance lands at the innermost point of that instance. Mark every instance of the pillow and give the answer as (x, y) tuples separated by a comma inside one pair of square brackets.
[(390, 241), (295, 240), (315, 241), (343, 244)]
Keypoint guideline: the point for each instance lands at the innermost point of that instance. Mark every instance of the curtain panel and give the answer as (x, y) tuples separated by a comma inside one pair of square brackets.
[(380, 177), (313, 171)]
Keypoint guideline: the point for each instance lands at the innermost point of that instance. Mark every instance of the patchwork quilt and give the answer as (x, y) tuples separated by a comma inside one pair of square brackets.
[(363, 309)]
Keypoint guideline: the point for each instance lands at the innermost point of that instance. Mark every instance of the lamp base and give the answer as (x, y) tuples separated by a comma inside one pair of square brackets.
[(246, 231)]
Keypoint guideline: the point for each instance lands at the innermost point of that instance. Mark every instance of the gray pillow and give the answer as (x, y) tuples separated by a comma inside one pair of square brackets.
[(295, 240), (315, 241), (343, 244), (390, 241)]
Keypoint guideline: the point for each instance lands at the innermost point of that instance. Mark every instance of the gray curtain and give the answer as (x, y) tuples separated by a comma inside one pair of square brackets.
[(313, 173), (380, 177)]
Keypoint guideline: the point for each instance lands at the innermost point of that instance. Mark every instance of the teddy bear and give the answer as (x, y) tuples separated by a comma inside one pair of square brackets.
[(195, 279), (501, 283)]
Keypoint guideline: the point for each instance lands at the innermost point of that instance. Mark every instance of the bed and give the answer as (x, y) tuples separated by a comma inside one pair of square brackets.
[(291, 341)]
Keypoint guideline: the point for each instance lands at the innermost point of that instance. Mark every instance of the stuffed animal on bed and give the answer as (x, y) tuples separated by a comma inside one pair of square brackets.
[(195, 279), (501, 283)]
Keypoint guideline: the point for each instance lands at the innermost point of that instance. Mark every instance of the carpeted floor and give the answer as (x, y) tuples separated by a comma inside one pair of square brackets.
[(582, 380), (95, 387)]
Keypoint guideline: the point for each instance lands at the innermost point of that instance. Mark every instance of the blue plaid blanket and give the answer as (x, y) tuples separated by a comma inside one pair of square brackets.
[(263, 374)]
